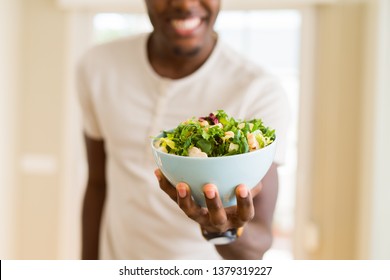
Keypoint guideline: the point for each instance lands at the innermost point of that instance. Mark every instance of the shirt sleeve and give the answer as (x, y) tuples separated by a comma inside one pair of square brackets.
[(90, 121), (267, 100)]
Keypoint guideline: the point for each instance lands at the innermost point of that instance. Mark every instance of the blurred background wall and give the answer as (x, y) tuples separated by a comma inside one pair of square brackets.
[(342, 182), (33, 62), (9, 53)]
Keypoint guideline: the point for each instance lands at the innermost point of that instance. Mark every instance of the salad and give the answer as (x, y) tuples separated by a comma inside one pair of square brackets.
[(215, 135)]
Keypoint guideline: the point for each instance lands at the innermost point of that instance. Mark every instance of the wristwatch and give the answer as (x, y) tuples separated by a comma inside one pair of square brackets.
[(223, 238)]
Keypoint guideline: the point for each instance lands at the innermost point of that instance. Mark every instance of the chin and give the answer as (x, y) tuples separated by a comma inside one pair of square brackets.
[(190, 46)]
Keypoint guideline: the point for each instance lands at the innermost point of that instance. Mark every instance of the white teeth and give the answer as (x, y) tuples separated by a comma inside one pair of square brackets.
[(186, 24)]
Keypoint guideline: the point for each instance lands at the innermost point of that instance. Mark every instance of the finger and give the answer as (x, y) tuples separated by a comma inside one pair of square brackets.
[(245, 209), (186, 203), (217, 214), (165, 185)]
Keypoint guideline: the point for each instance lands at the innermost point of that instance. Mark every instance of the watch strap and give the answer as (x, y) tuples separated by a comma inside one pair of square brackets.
[(223, 238)]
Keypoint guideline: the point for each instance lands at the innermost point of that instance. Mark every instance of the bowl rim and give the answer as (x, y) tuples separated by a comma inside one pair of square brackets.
[(154, 139)]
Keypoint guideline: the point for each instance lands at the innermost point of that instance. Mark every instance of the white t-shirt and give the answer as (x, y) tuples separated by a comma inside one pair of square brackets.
[(124, 102)]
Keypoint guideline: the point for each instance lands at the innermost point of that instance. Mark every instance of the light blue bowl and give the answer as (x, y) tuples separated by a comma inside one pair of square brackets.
[(225, 172)]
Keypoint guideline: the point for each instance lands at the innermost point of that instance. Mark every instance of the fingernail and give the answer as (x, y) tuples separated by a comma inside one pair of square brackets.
[(243, 192), (210, 193), (158, 174), (181, 190)]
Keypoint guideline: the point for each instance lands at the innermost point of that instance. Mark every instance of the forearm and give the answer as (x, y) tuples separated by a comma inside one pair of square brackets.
[(251, 245), (91, 219)]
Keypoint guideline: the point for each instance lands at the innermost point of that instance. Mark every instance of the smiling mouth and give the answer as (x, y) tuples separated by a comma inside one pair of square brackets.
[(186, 26)]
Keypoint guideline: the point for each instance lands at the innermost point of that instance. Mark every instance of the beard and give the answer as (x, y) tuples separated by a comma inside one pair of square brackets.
[(179, 51)]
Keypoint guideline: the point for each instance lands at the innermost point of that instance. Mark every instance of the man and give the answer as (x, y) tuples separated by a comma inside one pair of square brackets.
[(133, 88)]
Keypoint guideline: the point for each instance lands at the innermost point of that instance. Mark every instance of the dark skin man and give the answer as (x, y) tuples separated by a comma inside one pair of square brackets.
[(182, 39)]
